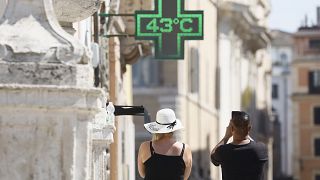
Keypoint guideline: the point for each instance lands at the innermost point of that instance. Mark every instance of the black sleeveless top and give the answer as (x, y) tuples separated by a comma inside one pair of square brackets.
[(163, 167)]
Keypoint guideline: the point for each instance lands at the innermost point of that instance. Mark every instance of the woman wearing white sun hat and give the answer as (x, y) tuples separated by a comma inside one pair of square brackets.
[(164, 158)]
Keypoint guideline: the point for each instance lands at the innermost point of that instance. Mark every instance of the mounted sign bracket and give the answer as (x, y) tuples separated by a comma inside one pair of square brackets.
[(117, 35), (133, 111)]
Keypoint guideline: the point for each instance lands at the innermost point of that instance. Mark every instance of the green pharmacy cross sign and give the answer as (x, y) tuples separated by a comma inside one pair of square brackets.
[(169, 25)]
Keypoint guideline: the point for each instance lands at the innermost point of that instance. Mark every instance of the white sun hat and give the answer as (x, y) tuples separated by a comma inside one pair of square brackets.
[(166, 122)]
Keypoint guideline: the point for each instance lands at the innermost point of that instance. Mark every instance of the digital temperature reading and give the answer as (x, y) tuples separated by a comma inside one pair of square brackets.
[(166, 25), (169, 25)]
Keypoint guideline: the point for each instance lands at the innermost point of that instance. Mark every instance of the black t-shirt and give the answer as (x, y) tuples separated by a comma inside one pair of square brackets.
[(241, 162)]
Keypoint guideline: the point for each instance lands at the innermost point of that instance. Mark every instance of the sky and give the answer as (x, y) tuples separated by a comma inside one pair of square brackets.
[(287, 15)]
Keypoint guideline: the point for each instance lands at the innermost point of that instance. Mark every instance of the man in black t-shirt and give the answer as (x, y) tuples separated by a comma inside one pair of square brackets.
[(243, 158)]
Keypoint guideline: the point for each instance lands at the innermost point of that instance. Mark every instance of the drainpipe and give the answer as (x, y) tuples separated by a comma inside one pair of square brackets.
[(112, 95), (114, 148)]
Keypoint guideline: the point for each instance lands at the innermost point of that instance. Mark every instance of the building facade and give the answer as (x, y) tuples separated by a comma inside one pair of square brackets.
[(243, 58), (244, 67), (196, 96), (306, 102), (214, 78), (281, 53)]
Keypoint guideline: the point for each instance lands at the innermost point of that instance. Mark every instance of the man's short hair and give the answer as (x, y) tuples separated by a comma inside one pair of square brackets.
[(240, 119)]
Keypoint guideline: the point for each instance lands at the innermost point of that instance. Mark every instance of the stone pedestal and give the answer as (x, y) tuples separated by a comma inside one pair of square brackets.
[(46, 131)]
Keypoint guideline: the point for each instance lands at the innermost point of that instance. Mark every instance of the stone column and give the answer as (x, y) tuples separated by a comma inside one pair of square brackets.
[(49, 109), (103, 128)]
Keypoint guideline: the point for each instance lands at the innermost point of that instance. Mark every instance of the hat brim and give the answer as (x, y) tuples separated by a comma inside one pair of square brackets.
[(154, 127)]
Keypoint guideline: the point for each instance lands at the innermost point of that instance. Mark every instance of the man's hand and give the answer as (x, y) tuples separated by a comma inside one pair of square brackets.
[(224, 140), (228, 133)]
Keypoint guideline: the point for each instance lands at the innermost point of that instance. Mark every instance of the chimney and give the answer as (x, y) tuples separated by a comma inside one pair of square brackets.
[(318, 16)]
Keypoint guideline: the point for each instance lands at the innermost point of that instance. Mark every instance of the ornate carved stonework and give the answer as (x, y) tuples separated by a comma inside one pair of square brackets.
[(102, 136), (246, 23), (75, 10), (132, 49), (30, 33)]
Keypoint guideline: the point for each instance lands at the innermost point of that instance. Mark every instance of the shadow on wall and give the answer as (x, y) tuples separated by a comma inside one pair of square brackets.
[(201, 165), (262, 125)]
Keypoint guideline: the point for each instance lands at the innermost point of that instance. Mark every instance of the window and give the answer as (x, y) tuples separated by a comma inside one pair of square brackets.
[(314, 44), (284, 58), (314, 82), (317, 147), (146, 72), (194, 71), (274, 91), (316, 115)]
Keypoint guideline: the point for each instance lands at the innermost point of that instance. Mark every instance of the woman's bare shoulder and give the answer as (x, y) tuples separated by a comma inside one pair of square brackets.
[(187, 150), (144, 151), (144, 145)]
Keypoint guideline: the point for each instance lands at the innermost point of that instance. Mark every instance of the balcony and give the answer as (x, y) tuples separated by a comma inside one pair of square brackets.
[(245, 22)]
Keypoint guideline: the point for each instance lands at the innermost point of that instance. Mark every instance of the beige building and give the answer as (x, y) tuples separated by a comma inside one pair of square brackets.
[(306, 102), (214, 78), (244, 63), (197, 86), (281, 53), (227, 70)]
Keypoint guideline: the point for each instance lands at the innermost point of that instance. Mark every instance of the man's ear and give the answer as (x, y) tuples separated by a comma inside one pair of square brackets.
[(249, 127)]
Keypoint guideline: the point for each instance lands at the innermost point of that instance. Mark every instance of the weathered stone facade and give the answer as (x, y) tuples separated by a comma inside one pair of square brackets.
[(52, 119), (47, 131), (34, 35)]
